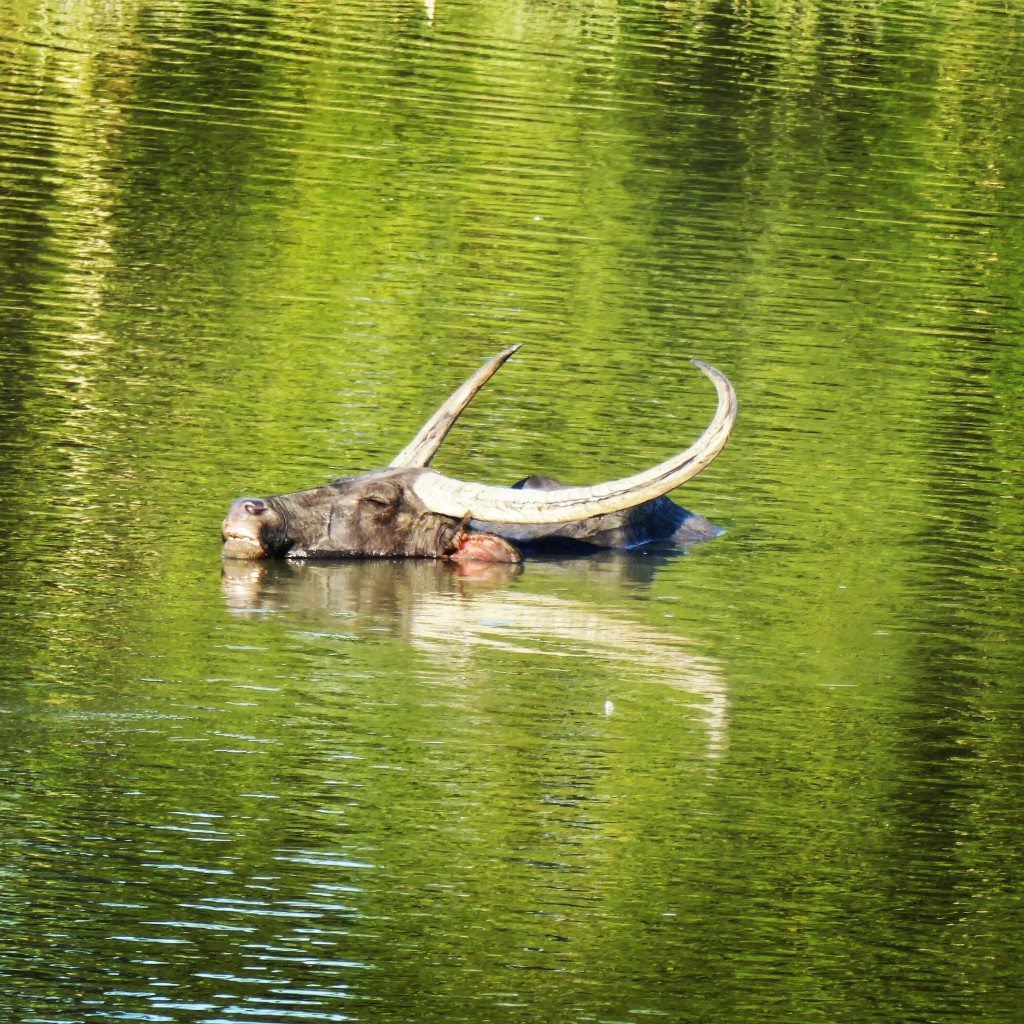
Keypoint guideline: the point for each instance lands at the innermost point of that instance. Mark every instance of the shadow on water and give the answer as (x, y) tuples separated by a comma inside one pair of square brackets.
[(456, 611)]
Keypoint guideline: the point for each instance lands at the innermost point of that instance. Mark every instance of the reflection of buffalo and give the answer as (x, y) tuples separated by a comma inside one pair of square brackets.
[(411, 511), (431, 607)]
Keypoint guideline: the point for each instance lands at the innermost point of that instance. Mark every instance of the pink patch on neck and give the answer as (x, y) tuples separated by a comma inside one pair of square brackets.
[(484, 547)]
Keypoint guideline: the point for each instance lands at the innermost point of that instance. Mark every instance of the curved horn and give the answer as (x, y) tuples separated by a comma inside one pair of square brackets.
[(423, 447), (508, 505)]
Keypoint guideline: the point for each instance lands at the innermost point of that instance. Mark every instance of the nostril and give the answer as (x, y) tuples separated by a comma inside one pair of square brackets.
[(254, 506)]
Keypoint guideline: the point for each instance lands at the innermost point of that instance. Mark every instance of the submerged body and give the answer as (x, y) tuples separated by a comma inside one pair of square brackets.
[(659, 519), (407, 510)]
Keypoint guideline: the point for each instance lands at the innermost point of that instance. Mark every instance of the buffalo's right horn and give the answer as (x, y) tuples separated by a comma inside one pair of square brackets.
[(423, 447), (507, 505)]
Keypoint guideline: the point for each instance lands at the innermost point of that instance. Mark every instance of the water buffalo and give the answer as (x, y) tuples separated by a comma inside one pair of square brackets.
[(408, 510)]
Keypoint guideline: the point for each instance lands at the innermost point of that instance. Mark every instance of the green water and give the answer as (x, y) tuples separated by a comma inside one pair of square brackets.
[(247, 246)]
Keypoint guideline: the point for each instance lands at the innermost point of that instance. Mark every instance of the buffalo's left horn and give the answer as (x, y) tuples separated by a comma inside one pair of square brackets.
[(508, 505), (423, 447)]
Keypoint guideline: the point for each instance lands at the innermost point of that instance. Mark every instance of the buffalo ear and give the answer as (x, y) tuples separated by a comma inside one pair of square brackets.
[(484, 547), (381, 495)]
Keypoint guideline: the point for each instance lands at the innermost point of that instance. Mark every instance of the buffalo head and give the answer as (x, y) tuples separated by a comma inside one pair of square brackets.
[(408, 510)]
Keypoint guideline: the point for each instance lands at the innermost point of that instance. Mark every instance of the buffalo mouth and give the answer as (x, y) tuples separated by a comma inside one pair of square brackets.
[(240, 543)]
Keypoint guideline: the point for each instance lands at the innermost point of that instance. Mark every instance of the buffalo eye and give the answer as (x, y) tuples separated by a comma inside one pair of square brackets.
[(378, 501), (254, 507)]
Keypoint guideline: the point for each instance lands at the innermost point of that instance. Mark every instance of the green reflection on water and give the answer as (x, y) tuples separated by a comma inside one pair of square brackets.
[(246, 247)]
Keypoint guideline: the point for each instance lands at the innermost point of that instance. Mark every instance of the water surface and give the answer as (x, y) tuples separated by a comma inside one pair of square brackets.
[(246, 247)]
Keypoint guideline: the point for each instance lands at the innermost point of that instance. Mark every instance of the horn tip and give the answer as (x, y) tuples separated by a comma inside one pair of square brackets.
[(707, 369)]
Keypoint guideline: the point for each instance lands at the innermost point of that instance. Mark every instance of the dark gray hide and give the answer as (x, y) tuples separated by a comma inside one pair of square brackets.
[(377, 514)]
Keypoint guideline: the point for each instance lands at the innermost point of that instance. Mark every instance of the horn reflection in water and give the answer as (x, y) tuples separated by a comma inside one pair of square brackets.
[(452, 613)]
